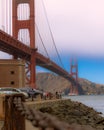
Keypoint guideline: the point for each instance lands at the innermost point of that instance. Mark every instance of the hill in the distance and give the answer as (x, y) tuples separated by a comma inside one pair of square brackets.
[(52, 83)]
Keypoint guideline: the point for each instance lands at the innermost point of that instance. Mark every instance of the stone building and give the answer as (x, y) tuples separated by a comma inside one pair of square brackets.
[(12, 73)]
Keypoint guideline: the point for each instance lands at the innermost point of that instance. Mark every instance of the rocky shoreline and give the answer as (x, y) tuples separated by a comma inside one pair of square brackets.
[(78, 115)]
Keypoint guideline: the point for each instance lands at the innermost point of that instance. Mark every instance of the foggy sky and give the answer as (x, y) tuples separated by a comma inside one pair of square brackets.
[(77, 25)]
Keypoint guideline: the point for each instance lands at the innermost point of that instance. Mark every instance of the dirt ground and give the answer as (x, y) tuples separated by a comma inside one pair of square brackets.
[(77, 115), (29, 126)]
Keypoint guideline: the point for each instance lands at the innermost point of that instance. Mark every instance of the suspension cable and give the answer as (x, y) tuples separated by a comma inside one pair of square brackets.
[(42, 41), (52, 34)]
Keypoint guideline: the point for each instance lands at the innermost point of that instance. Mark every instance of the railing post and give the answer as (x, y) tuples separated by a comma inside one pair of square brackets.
[(13, 118)]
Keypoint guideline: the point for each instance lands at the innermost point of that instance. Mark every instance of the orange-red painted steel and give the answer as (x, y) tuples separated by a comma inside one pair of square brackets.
[(12, 46), (26, 24), (16, 48), (74, 74)]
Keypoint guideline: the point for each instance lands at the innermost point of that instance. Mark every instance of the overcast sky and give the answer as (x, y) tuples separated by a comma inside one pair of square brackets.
[(77, 25), (78, 28)]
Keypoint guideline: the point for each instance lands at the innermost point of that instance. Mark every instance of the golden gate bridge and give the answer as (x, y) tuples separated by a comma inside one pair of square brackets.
[(18, 37)]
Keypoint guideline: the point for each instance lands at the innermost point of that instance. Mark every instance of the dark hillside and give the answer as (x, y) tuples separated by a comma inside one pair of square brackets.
[(51, 82)]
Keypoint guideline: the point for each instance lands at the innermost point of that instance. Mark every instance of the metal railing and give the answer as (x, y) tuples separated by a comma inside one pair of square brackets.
[(16, 112)]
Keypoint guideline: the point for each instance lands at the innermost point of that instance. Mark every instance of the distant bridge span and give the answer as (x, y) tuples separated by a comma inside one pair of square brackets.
[(14, 47)]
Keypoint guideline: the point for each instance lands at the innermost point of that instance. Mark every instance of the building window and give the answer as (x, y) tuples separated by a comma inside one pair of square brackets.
[(12, 82), (12, 72)]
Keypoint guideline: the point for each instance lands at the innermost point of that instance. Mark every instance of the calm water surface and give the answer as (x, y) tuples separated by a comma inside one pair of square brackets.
[(97, 102)]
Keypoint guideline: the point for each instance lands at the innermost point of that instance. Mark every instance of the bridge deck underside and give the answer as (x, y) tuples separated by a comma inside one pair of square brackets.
[(14, 47)]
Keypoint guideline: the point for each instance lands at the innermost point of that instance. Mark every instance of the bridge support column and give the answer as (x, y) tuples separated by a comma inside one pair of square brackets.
[(33, 71), (30, 25), (74, 74)]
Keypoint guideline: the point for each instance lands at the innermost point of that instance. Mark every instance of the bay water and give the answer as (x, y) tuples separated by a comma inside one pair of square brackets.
[(95, 101)]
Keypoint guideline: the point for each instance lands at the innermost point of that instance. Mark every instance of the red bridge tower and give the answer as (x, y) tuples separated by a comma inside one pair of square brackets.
[(74, 74), (30, 25)]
